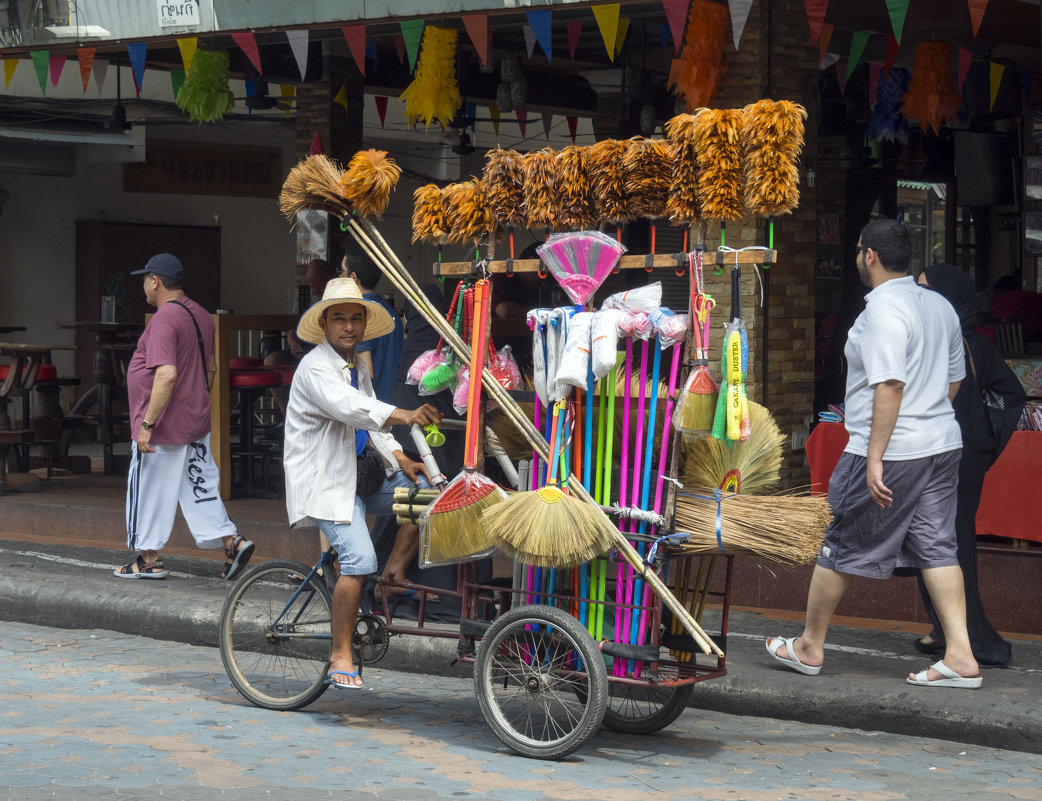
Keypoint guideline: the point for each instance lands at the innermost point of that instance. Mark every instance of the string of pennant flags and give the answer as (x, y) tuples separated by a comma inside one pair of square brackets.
[(538, 31)]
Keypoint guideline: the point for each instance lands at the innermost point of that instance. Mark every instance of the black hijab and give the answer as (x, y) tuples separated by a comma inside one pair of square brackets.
[(957, 287)]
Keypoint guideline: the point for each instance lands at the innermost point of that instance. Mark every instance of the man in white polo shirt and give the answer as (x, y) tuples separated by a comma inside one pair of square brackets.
[(893, 492)]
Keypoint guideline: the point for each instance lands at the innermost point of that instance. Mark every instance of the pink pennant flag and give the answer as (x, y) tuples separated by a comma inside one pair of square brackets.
[(573, 124), (248, 45), (841, 76), (57, 64), (739, 16), (816, 17), (354, 35), (977, 8), (316, 146), (891, 55), (522, 121), (298, 43), (575, 28), (965, 57), (477, 30), (676, 16), (85, 57), (874, 68), (381, 108)]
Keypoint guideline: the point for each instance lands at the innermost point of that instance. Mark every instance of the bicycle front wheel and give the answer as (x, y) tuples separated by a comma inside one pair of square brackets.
[(275, 635)]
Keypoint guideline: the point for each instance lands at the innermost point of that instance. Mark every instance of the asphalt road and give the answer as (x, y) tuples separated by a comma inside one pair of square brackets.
[(91, 714)]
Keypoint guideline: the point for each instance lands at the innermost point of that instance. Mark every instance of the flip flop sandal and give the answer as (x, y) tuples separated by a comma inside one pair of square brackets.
[(951, 678), (341, 685), (138, 569), (238, 555), (791, 661)]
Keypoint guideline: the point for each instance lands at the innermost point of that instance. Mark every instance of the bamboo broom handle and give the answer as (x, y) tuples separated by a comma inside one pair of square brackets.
[(380, 251)]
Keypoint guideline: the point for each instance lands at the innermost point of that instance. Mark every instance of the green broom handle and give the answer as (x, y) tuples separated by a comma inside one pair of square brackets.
[(377, 248)]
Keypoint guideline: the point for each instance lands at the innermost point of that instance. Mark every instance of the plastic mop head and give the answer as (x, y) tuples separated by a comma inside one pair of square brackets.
[(451, 528), (697, 406), (581, 261)]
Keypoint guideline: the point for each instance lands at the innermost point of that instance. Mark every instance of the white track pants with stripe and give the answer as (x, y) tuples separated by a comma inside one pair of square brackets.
[(184, 475)]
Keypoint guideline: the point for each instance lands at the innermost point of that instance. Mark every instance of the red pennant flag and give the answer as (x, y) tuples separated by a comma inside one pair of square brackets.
[(891, 54), (816, 17), (824, 39), (874, 69), (354, 35), (399, 46), (676, 16), (57, 64), (977, 8), (316, 146), (477, 30), (841, 76), (573, 123), (574, 29), (248, 45), (85, 55), (522, 121), (381, 108), (965, 57)]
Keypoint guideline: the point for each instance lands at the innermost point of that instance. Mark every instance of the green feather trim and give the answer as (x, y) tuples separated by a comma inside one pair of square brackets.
[(205, 96)]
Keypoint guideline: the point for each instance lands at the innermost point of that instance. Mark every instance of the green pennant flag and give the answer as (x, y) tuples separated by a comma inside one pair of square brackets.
[(177, 78), (898, 11), (42, 63), (412, 32), (858, 40)]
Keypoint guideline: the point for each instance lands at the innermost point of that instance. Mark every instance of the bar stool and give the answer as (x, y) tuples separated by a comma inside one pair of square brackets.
[(250, 385)]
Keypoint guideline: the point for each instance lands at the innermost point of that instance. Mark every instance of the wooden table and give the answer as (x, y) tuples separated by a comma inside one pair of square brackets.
[(220, 406), (115, 344)]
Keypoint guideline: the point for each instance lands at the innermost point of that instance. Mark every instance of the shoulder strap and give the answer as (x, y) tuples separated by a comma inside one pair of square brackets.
[(199, 339), (969, 355)]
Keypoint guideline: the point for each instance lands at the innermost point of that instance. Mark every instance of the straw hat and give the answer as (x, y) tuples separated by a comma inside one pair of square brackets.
[(344, 290)]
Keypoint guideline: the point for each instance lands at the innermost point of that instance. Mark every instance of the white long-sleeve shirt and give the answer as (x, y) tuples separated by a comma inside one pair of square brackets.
[(322, 415)]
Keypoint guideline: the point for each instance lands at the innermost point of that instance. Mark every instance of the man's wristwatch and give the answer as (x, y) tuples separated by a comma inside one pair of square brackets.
[(147, 426)]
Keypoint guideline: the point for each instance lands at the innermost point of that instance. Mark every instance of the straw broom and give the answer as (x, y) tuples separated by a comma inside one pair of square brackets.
[(749, 467), (300, 194)]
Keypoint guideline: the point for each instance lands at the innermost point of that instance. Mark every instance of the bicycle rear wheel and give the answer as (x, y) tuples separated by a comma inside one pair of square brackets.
[(275, 635)]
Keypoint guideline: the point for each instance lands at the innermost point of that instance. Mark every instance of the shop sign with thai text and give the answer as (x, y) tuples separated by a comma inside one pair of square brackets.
[(180, 14)]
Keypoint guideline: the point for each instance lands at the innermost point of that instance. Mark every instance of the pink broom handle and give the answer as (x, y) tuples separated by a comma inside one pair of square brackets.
[(627, 395)]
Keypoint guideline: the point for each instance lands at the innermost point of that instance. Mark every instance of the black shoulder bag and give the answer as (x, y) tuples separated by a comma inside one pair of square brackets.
[(199, 339), (994, 411)]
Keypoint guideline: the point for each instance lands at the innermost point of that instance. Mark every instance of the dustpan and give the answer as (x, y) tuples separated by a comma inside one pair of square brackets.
[(581, 261)]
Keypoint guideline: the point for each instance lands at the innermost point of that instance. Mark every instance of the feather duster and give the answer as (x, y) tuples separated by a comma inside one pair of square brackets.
[(314, 183), (367, 184), (772, 140), (682, 203), (434, 93), (648, 169), (608, 181), (541, 197), (931, 98), (204, 96), (888, 124), (573, 175), (718, 143), (430, 221), (504, 177), (467, 209), (696, 74)]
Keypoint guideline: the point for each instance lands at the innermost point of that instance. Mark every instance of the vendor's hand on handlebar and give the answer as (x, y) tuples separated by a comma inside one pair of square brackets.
[(423, 416)]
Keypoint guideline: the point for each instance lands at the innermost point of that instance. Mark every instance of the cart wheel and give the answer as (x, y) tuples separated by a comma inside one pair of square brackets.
[(644, 709), (370, 640), (541, 682), (275, 635)]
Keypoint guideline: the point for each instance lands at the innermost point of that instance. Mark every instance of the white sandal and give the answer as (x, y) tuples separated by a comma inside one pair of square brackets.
[(791, 661)]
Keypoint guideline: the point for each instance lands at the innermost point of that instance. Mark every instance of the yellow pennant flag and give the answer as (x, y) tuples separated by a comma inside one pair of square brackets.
[(188, 46), (493, 112), (10, 65), (624, 26), (288, 93), (997, 71), (607, 17), (341, 96)]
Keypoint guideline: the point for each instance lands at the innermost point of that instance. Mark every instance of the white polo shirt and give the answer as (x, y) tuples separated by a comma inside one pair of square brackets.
[(910, 334)]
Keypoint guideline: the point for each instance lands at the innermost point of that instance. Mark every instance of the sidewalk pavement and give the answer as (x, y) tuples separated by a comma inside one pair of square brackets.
[(861, 686)]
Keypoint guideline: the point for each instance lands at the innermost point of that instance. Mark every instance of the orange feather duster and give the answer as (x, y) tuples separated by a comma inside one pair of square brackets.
[(577, 209), (696, 74), (541, 201), (648, 168), (682, 204), (772, 138), (370, 177), (608, 181), (718, 146), (931, 97), (504, 177), (468, 214), (430, 222)]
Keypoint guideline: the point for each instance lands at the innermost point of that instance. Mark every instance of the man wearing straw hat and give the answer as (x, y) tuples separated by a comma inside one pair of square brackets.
[(893, 492), (333, 418)]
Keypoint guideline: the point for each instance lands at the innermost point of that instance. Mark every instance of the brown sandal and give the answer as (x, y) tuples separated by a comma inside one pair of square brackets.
[(140, 569), (238, 553)]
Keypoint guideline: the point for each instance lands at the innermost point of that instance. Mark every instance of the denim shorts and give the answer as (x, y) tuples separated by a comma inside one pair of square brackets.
[(352, 542)]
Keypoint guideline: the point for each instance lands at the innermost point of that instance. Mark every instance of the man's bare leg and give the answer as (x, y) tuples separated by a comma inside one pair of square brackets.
[(346, 596), (948, 595), (406, 543), (827, 588)]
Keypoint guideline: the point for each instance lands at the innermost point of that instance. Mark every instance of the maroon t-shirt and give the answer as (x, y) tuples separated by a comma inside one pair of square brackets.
[(170, 338)]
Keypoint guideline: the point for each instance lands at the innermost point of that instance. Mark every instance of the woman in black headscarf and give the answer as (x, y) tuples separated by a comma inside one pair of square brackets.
[(985, 370)]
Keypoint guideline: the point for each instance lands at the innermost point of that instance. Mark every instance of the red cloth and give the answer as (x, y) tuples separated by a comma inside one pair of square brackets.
[(1010, 505)]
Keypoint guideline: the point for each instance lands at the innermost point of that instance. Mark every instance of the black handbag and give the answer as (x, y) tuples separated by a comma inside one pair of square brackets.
[(370, 471), (994, 411)]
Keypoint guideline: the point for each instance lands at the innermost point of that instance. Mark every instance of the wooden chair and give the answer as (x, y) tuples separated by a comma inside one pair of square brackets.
[(1010, 338)]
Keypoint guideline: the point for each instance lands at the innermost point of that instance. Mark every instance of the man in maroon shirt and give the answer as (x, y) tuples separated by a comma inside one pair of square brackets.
[(168, 384)]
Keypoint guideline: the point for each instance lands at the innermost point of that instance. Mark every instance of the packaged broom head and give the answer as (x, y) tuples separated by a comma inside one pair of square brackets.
[(696, 406)]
